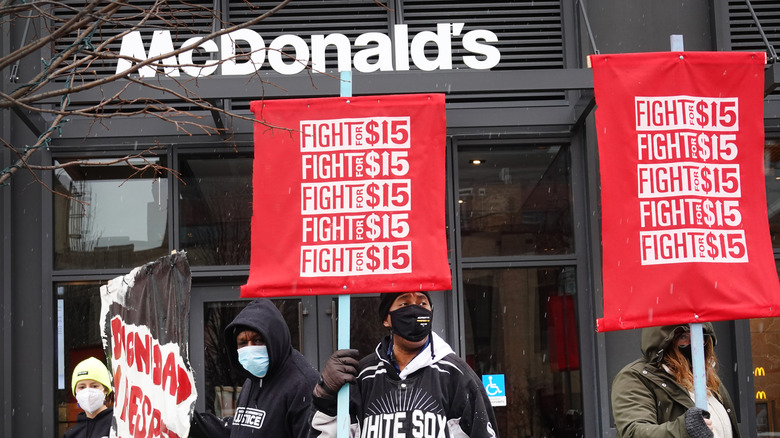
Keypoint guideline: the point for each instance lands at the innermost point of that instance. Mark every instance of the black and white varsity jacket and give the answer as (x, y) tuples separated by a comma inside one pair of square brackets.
[(436, 395)]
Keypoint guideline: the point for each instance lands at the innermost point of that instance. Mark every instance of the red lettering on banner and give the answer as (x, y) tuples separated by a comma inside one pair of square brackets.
[(184, 388), (169, 374), (143, 419), (119, 391), (129, 350), (157, 366), (135, 398), (145, 352), (118, 333), (142, 352)]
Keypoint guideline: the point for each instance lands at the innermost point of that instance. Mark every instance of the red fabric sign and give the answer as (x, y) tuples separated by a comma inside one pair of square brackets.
[(349, 196), (684, 216)]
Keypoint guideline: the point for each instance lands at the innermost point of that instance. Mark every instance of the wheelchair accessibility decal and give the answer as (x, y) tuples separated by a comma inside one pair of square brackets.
[(495, 388)]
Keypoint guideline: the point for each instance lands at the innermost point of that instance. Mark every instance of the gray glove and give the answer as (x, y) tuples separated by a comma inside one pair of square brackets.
[(340, 368), (694, 423)]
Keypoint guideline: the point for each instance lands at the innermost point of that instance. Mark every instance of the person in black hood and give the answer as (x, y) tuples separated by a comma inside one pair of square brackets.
[(276, 395)]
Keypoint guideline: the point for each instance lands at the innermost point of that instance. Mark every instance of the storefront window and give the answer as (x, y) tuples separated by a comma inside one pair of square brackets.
[(765, 346), (215, 199), (78, 337), (764, 342), (521, 328), (515, 200), (109, 216), (772, 175)]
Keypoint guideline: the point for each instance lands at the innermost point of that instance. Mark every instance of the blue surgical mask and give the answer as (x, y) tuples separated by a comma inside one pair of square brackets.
[(254, 358)]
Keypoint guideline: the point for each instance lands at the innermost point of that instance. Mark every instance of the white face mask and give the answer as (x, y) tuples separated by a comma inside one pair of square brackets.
[(90, 399)]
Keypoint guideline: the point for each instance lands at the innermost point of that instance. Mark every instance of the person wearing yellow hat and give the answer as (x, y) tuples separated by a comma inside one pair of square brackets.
[(91, 383)]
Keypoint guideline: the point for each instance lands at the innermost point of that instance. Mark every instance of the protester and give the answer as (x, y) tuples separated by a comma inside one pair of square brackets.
[(653, 396), (275, 398), (413, 385), (91, 383)]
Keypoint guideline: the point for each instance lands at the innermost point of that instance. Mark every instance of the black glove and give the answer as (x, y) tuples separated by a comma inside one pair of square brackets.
[(694, 423), (340, 368)]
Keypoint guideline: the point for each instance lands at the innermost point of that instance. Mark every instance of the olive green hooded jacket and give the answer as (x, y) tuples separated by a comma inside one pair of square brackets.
[(646, 401)]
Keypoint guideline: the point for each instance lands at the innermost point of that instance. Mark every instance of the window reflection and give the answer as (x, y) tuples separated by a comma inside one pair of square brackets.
[(515, 200), (109, 216), (215, 196), (521, 323)]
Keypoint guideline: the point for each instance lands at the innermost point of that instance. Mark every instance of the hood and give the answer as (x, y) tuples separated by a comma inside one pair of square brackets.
[(262, 316), (655, 340), (440, 349)]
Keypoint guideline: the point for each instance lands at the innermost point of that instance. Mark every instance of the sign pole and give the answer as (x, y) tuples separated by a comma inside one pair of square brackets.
[(342, 416), (696, 328), (699, 368)]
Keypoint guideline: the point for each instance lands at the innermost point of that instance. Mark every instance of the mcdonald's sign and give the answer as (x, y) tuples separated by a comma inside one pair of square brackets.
[(760, 395), (759, 371)]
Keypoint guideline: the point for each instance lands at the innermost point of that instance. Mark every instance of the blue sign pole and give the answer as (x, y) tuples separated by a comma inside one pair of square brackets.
[(699, 368), (697, 331), (342, 415)]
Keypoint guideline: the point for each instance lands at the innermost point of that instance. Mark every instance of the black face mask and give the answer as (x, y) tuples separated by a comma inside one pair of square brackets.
[(412, 322)]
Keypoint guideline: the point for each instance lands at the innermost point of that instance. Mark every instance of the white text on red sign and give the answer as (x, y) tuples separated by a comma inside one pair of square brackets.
[(340, 165), (688, 179), (681, 212), (669, 113), (355, 134), (693, 245), (686, 146), (356, 259), (357, 227), (356, 196)]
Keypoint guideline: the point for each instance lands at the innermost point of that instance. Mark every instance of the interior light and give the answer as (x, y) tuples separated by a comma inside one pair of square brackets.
[(477, 161)]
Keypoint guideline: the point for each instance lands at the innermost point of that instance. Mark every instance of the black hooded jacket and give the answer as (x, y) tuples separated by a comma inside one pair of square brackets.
[(276, 405), (98, 427)]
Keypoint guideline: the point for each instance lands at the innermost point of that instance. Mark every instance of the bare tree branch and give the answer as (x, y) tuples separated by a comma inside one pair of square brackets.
[(69, 31)]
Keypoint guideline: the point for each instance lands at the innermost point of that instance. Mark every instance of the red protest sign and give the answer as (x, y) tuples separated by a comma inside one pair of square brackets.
[(349, 196), (684, 225)]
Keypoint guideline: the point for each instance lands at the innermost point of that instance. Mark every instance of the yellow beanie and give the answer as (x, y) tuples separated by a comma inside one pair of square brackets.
[(93, 369)]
